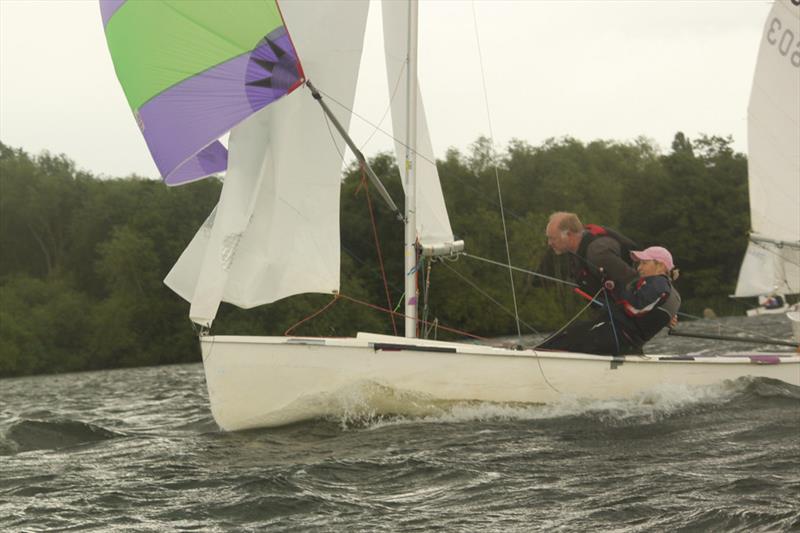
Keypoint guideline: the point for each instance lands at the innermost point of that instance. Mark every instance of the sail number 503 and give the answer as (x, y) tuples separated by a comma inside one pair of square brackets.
[(784, 40)]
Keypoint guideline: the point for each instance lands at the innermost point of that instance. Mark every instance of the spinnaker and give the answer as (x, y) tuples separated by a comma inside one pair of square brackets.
[(193, 70)]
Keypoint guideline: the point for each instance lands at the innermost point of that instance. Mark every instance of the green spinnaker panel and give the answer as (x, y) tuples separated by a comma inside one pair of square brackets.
[(156, 45), (192, 70)]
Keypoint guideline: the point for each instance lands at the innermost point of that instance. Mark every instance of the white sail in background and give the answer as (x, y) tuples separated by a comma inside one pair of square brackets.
[(772, 261), (433, 224), (275, 231)]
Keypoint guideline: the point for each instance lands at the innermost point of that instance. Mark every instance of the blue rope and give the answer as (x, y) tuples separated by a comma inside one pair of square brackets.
[(611, 319)]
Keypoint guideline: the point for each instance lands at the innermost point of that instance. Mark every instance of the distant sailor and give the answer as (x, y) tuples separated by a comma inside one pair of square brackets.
[(597, 254), (641, 309)]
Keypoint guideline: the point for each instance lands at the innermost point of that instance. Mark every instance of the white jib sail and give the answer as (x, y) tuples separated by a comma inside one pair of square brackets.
[(433, 224), (275, 230), (772, 261)]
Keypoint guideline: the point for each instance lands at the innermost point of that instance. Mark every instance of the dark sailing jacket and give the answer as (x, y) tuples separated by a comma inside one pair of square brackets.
[(603, 254), (646, 306)]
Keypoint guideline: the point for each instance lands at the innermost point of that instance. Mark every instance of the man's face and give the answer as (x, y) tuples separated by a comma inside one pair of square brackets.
[(557, 239)]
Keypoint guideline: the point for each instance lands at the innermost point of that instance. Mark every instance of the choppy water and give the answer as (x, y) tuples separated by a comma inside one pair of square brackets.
[(137, 450)]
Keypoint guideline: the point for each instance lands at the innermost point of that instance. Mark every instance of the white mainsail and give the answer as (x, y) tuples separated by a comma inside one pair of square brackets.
[(432, 222), (772, 261), (275, 231)]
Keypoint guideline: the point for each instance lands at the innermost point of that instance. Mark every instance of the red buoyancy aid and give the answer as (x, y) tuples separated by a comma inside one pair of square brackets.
[(586, 274)]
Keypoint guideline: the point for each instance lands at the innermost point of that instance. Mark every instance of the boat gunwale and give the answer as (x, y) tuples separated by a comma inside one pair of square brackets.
[(377, 344)]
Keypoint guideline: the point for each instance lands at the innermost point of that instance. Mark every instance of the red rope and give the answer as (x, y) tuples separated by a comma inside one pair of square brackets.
[(392, 313), (377, 244), (306, 319)]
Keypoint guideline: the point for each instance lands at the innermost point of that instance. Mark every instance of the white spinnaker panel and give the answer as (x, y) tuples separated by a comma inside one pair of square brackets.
[(433, 224), (275, 232), (774, 157)]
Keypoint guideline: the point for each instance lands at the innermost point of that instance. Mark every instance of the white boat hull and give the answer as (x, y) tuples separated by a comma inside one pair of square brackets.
[(273, 381)]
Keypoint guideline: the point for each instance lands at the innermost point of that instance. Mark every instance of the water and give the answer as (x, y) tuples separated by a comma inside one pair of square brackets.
[(137, 450)]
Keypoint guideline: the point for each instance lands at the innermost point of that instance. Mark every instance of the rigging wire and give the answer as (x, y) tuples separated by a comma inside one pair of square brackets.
[(496, 172), (388, 107), (330, 132), (501, 206), (339, 296), (518, 269), (362, 262), (403, 315), (377, 127), (777, 254), (377, 245), (488, 296), (565, 326), (774, 252), (573, 319)]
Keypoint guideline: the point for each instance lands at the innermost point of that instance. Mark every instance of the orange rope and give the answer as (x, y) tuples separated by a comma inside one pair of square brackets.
[(338, 295), (427, 323), (377, 244), (306, 319)]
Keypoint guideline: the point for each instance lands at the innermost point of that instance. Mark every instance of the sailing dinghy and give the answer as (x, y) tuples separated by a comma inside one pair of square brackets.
[(275, 230), (771, 266)]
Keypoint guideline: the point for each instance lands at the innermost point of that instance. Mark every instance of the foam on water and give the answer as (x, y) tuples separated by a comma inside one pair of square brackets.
[(369, 404)]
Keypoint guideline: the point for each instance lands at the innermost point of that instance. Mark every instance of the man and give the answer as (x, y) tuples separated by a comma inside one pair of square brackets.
[(596, 253)]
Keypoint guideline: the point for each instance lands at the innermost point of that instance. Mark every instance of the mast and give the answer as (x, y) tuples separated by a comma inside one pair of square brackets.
[(410, 243)]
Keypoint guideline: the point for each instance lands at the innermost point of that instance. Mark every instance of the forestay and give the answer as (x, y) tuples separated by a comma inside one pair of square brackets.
[(772, 261), (275, 231)]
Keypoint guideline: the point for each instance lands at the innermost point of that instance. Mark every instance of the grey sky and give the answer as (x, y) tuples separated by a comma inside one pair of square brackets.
[(589, 69)]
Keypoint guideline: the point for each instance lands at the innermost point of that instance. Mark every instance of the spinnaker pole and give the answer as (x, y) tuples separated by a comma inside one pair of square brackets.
[(356, 152)]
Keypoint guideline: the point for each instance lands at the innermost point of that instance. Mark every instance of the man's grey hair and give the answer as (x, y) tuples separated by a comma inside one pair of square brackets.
[(566, 221)]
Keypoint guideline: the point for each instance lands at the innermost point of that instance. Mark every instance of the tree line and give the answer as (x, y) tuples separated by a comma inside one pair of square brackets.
[(83, 258)]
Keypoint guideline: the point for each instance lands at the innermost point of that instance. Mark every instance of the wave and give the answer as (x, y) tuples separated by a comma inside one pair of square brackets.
[(27, 435), (371, 405)]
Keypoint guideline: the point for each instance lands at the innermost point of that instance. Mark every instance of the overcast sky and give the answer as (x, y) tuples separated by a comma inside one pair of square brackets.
[(589, 69)]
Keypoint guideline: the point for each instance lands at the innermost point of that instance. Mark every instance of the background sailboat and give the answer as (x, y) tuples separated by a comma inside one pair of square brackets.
[(275, 233), (771, 266)]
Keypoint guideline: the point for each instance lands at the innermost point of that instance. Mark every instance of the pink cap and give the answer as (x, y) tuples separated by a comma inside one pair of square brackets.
[(655, 253)]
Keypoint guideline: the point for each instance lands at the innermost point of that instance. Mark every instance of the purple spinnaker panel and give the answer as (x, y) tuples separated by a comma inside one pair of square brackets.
[(108, 8), (765, 359), (210, 160), (180, 124)]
